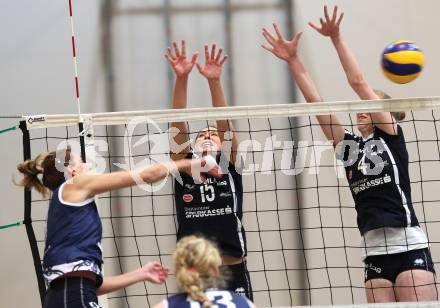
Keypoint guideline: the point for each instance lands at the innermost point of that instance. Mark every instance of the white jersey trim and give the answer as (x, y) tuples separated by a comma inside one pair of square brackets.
[(397, 181), (239, 225), (60, 197), (53, 272), (384, 241)]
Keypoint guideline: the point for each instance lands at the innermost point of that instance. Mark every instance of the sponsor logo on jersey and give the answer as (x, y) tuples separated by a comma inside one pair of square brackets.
[(222, 183), (366, 185), (190, 186), (204, 212), (187, 197), (377, 269), (241, 291), (225, 194), (419, 262)]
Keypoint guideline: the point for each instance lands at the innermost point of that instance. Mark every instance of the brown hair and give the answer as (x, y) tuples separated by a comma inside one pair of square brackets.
[(49, 166), (398, 115), (197, 262)]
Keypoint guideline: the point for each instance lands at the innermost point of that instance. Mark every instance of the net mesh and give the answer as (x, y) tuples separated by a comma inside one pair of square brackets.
[(304, 247)]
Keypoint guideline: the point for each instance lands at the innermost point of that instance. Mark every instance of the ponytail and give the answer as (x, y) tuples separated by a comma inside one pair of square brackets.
[(31, 168), (49, 167), (191, 283), (398, 115), (197, 262)]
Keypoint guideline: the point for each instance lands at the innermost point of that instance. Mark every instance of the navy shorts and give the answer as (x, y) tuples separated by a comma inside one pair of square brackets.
[(238, 280), (71, 292), (390, 266)]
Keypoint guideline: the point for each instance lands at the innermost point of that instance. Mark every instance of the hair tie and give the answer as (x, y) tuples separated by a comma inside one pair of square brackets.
[(37, 171), (191, 269)]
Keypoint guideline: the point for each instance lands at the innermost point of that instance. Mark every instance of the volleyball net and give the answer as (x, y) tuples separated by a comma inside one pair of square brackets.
[(304, 247)]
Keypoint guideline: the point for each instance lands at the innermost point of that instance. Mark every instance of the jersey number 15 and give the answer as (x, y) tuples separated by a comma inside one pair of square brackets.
[(207, 193)]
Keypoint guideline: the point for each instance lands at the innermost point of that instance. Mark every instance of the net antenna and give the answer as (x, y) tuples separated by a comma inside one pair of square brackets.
[(85, 131), (78, 102)]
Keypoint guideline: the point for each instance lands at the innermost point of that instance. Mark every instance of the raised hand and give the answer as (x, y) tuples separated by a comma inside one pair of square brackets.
[(329, 27), (212, 69), (279, 46), (154, 272), (180, 64)]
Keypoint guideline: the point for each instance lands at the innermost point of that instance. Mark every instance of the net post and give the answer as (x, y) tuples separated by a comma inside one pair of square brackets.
[(28, 218), (82, 132)]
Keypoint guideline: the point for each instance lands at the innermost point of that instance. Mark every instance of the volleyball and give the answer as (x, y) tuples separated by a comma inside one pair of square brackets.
[(402, 61)]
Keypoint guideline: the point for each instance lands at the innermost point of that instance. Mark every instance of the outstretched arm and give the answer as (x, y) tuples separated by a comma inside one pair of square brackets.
[(182, 66), (152, 272), (330, 27), (86, 185), (288, 51), (212, 70)]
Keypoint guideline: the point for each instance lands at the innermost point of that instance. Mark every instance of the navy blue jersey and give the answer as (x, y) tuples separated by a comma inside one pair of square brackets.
[(377, 172), (73, 240), (221, 298), (213, 209)]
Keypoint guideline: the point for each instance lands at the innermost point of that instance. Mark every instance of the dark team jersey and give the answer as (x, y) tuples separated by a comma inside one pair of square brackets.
[(213, 209), (377, 172), (73, 239), (220, 298)]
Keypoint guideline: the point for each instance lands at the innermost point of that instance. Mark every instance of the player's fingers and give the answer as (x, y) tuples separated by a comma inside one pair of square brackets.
[(206, 53), (327, 18), (199, 67), (170, 60), (311, 24), (176, 49), (278, 31), (335, 14), (269, 38), (340, 19), (219, 54), (297, 37), (213, 47), (183, 48), (194, 57), (270, 49), (170, 53), (224, 59)]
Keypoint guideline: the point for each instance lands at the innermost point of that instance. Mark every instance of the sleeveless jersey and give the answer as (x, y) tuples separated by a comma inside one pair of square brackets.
[(212, 209), (73, 239), (377, 172), (220, 298)]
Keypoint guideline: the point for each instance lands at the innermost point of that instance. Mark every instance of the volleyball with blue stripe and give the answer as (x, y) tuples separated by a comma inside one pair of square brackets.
[(402, 61)]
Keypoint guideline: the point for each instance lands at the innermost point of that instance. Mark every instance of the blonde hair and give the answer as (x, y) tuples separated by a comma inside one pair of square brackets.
[(197, 262), (398, 115), (47, 165)]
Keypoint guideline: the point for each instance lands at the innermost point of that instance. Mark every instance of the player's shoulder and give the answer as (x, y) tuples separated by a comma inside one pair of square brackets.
[(349, 135), (177, 300), (393, 140), (239, 300)]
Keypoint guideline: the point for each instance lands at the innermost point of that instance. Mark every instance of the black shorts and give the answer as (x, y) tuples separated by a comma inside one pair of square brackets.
[(390, 266), (239, 280), (71, 292)]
